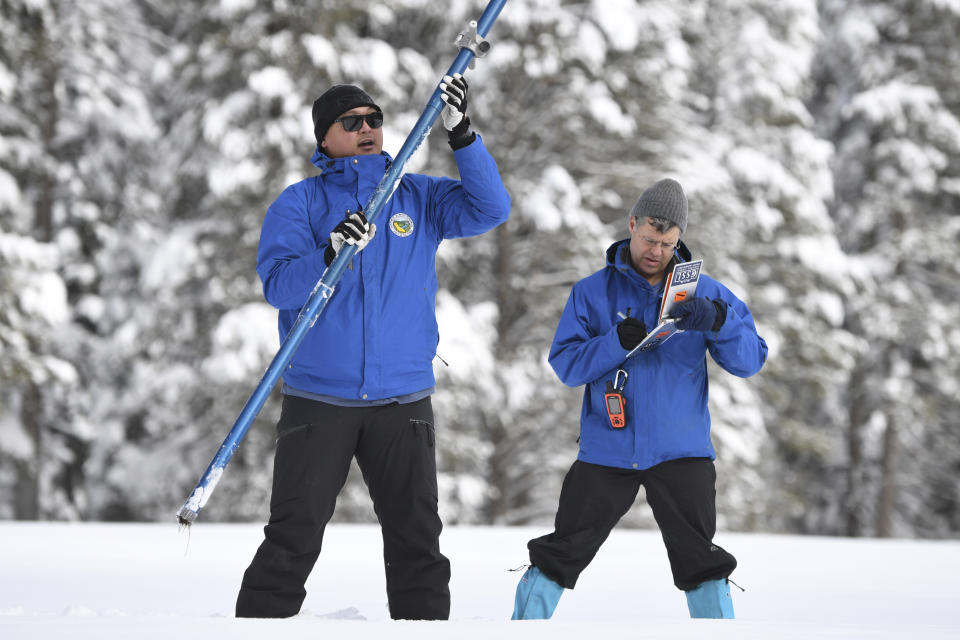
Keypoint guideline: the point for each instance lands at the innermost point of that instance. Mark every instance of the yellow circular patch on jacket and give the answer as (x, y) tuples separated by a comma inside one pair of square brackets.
[(401, 225)]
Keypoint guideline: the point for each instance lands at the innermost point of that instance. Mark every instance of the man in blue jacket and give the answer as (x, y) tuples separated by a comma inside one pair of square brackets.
[(664, 444), (360, 383)]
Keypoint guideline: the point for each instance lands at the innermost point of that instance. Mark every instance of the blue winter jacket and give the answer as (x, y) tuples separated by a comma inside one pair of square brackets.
[(666, 388), (378, 334)]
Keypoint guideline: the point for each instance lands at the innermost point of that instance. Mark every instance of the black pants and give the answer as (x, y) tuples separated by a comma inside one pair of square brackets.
[(394, 447), (682, 496)]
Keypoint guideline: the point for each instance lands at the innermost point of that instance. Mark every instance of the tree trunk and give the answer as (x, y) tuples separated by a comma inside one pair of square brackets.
[(46, 182), (27, 493), (502, 461), (858, 414), (886, 501)]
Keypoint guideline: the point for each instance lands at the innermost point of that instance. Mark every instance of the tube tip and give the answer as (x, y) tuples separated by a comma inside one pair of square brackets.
[(186, 516)]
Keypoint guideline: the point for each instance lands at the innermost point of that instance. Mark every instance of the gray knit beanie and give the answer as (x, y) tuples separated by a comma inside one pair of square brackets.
[(665, 200)]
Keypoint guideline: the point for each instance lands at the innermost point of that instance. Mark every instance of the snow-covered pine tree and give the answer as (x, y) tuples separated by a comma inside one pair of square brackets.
[(73, 127), (762, 186), (888, 100)]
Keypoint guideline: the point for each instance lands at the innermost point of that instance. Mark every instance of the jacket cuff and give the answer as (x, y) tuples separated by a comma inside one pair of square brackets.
[(462, 135), (614, 348), (721, 314)]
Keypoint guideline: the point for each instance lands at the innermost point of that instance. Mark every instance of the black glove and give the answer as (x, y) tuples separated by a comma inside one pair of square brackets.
[(631, 332), (699, 314), (454, 115), (354, 229)]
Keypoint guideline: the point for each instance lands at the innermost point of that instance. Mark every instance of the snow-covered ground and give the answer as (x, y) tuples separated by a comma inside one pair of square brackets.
[(136, 581)]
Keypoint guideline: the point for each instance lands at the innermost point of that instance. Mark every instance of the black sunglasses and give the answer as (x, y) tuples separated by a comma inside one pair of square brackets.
[(353, 123)]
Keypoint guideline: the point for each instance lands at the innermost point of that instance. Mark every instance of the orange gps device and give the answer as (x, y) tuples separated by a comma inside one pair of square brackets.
[(616, 403)]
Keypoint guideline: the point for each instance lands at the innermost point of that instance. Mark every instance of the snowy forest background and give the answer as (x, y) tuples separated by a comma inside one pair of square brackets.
[(818, 142)]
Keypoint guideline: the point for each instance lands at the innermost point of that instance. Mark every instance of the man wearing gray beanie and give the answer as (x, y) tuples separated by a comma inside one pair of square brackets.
[(644, 420), (359, 386)]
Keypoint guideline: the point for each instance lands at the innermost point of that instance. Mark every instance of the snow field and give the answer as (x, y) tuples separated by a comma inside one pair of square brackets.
[(81, 581)]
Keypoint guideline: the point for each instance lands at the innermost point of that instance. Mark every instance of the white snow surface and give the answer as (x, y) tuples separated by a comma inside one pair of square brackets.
[(144, 581)]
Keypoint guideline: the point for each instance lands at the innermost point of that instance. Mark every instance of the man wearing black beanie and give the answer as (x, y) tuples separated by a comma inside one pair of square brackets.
[(360, 383)]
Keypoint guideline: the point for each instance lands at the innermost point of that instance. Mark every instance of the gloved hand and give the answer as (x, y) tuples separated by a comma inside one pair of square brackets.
[(354, 229), (454, 115), (631, 332), (454, 95), (699, 314)]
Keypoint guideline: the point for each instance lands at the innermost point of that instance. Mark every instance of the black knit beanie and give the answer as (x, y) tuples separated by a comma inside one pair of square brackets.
[(336, 100), (665, 200)]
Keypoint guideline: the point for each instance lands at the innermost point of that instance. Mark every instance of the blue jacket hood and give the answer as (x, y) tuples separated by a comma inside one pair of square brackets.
[(322, 161)]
